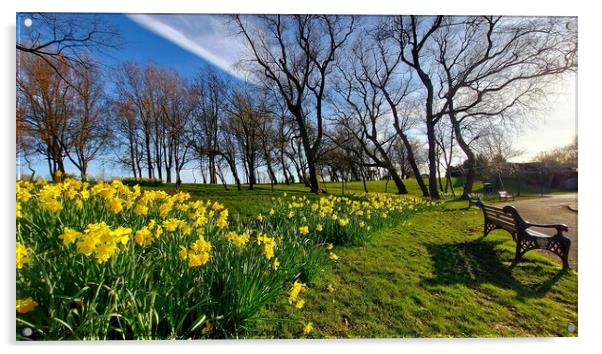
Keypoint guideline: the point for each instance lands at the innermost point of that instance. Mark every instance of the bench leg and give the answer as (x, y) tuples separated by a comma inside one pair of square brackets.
[(488, 228), (565, 262), (566, 246), (518, 253)]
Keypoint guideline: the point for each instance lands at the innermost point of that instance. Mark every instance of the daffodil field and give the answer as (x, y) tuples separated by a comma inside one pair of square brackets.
[(108, 261)]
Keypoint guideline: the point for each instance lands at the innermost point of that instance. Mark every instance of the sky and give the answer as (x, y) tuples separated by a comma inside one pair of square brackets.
[(187, 42)]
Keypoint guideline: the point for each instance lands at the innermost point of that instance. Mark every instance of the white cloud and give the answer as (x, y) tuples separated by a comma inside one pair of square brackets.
[(206, 36)]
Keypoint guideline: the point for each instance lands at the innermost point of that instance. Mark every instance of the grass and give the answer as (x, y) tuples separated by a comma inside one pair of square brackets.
[(248, 203), (434, 277)]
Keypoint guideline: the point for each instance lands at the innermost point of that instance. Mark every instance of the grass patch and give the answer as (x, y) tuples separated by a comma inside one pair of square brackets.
[(433, 276), (248, 203)]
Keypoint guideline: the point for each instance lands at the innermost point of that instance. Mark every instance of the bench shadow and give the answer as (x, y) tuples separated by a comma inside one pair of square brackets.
[(478, 262)]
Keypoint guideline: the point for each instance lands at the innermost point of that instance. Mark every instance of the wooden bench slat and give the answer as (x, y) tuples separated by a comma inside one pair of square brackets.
[(502, 219), (507, 226)]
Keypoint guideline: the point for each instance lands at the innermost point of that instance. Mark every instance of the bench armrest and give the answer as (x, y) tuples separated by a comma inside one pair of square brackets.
[(558, 227)]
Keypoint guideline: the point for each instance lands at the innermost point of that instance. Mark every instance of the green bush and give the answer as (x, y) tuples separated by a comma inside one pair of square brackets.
[(142, 182)]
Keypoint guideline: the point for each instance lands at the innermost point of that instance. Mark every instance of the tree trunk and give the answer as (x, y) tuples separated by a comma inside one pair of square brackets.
[(412, 161), (212, 169), (363, 174), (285, 171), (470, 156), (270, 169), (232, 164), (439, 171), (430, 133), (149, 158)]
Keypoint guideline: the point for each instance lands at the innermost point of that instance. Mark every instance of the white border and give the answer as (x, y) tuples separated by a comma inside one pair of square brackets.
[(589, 141)]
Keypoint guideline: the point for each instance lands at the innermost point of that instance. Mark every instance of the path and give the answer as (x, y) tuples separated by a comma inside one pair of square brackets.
[(552, 209)]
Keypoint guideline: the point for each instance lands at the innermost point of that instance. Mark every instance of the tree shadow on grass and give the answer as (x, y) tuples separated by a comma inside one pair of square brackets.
[(478, 262)]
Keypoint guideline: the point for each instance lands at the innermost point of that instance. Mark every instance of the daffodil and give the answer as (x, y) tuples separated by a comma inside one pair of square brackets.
[(222, 221), (22, 256), (69, 236), (207, 329), (198, 259), (115, 205), (296, 289), (308, 328), (238, 240), (268, 244), (26, 305)]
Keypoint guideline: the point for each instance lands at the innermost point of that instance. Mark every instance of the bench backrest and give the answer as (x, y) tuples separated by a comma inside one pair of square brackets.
[(498, 217)]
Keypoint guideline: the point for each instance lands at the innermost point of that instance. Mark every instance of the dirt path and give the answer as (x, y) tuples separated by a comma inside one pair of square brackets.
[(552, 209)]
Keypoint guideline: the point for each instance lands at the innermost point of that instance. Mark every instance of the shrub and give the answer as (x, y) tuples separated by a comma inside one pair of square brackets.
[(143, 182)]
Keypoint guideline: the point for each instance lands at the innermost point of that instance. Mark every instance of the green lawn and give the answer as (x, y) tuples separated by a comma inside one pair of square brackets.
[(433, 277), (248, 203)]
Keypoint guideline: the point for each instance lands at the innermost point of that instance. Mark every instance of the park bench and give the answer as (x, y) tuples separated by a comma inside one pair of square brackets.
[(508, 218), (505, 195)]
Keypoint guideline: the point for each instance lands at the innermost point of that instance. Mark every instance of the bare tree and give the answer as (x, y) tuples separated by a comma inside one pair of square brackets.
[(178, 108), (126, 132), (493, 68), (412, 35), (61, 39), (247, 114), (88, 131), (295, 53), (45, 109), (131, 85), (382, 67), (366, 119), (210, 110)]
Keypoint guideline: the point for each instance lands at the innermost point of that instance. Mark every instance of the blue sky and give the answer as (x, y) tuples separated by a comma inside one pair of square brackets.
[(188, 42), (143, 46)]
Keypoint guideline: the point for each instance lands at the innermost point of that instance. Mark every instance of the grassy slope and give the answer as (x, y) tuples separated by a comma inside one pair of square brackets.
[(433, 277), (250, 203)]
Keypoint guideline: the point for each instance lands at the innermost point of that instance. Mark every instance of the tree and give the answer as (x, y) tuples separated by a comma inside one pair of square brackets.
[(412, 36), (178, 108), (295, 53), (66, 40), (247, 114), (45, 109), (88, 131), (130, 86), (126, 132), (498, 69), (366, 119), (381, 67), (210, 110)]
